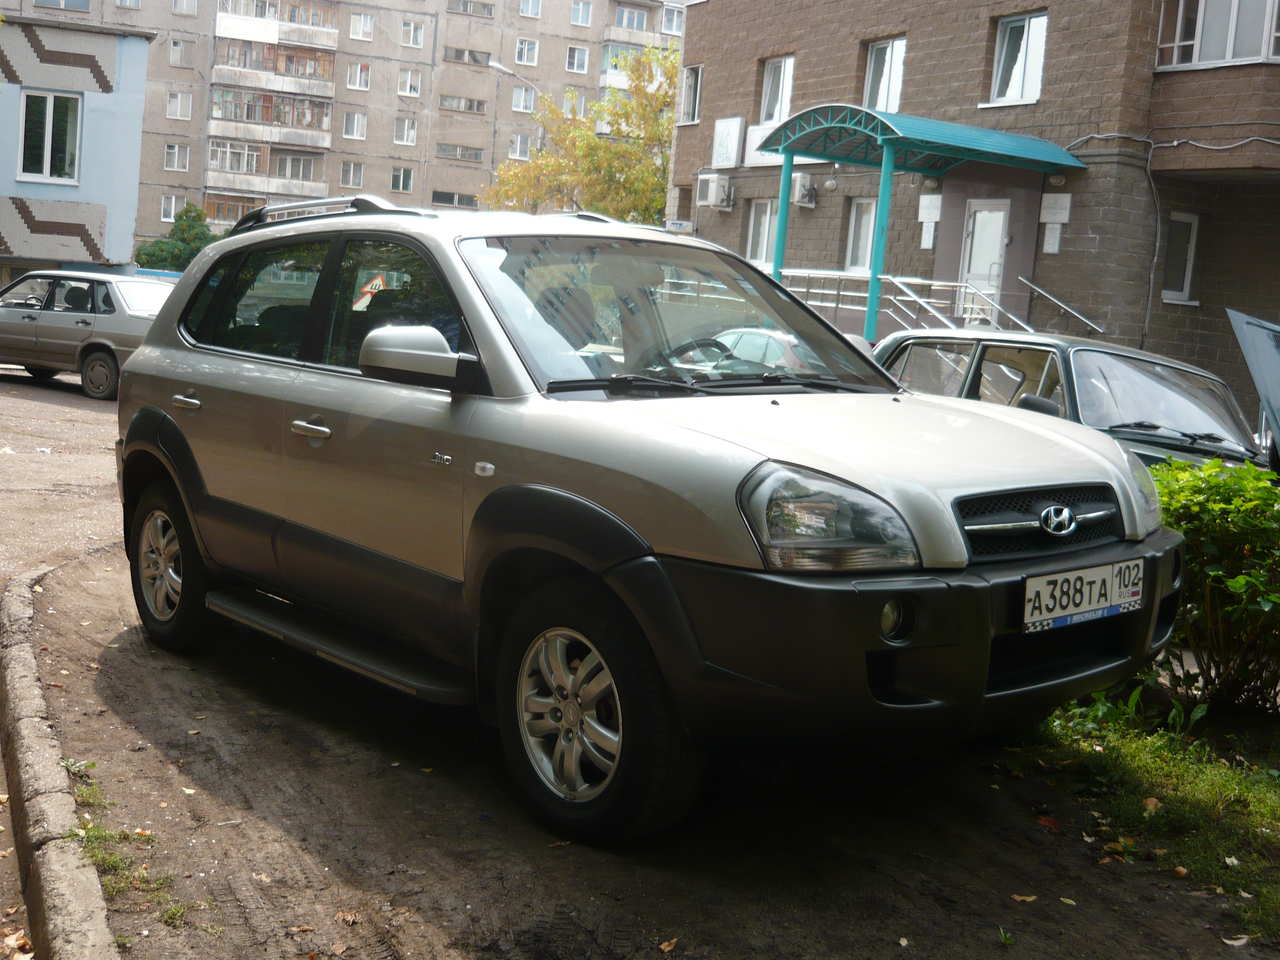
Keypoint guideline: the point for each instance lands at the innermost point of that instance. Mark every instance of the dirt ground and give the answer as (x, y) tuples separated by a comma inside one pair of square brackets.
[(287, 797)]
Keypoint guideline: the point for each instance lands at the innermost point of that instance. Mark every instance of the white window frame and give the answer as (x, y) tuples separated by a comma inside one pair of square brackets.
[(631, 18), (526, 44), (177, 48), (45, 176), (183, 101), (129, 4), (405, 131), (285, 163), (771, 216), (411, 32), (169, 200), (570, 58), (359, 128), (1032, 59), (577, 7), (413, 86), (181, 154), (691, 106), (351, 173), (79, 6), (360, 71), (858, 262), (1184, 295), (523, 99), (785, 67), (362, 26), (518, 141), (1170, 49), (405, 174), (894, 51), (673, 13), (185, 8), (531, 8)]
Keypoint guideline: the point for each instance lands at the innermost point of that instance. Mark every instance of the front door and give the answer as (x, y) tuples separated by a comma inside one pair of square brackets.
[(66, 323), (986, 232), (20, 308)]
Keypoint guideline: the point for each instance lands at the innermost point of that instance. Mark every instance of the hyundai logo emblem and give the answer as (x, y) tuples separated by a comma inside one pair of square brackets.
[(1058, 521)]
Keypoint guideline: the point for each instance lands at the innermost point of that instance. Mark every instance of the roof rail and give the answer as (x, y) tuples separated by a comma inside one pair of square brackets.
[(361, 203), (592, 215)]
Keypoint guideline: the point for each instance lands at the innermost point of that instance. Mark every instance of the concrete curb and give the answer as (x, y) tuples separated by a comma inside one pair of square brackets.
[(67, 913)]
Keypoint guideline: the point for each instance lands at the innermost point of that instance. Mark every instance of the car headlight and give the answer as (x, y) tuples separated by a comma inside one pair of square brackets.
[(805, 521), (1148, 499)]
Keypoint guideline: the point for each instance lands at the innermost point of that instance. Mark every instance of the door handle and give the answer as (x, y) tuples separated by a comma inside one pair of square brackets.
[(187, 403), (313, 430), (29, 316), (84, 323)]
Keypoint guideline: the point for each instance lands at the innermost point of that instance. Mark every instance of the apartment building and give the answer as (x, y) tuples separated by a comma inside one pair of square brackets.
[(1165, 214), (253, 101), (74, 94)]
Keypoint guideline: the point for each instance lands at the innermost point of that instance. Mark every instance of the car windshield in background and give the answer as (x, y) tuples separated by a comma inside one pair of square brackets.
[(1168, 402), (144, 297), (583, 309)]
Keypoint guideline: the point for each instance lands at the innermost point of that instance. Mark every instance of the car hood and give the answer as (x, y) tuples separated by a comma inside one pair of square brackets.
[(917, 452), (1260, 342)]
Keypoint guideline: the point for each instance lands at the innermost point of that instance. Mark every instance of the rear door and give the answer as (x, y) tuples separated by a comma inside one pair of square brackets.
[(20, 308), (66, 322)]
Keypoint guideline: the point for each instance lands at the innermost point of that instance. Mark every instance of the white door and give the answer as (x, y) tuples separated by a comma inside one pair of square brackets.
[(986, 232)]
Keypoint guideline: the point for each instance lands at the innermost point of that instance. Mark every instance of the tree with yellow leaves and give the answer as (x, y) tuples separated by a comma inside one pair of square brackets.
[(621, 173)]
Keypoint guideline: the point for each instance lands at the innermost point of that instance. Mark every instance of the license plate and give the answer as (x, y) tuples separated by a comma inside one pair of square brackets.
[(1078, 596)]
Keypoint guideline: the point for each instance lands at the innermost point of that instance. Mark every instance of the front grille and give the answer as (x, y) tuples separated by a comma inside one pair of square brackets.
[(1025, 507), (1026, 659)]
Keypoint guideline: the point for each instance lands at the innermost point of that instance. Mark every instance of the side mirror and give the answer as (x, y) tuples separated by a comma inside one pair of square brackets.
[(417, 355), (1029, 401)]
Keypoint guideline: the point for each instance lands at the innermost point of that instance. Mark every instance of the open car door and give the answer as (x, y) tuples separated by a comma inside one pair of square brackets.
[(1260, 342)]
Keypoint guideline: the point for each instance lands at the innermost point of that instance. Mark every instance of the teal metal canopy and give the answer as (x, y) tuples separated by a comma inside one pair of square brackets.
[(842, 133)]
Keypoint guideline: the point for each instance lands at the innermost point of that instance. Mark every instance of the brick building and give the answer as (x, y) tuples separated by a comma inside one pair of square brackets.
[(1173, 107)]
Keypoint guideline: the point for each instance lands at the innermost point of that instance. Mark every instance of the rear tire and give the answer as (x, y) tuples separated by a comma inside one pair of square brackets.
[(168, 576), (589, 732), (100, 375), (42, 373)]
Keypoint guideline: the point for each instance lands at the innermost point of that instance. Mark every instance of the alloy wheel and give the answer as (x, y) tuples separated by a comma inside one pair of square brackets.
[(160, 565)]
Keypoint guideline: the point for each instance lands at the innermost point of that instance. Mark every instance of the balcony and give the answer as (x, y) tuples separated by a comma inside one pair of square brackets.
[(276, 82), (268, 133), (237, 21), (261, 185), (616, 34), (1239, 101)]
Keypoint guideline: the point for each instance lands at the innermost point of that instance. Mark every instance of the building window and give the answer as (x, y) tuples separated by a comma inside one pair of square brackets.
[(761, 224), (575, 60), (633, 18), (775, 92), (580, 13), (410, 82), (128, 4), (519, 146), (185, 8), (857, 251), (527, 52), (575, 102), (182, 53), (50, 135), (472, 7), (178, 106), (406, 132), (462, 104), (476, 58), (1019, 61), (234, 157), (358, 76), (292, 166), (1180, 256), (673, 20), (1217, 31), (884, 74), (355, 125), (456, 151), (447, 198), (530, 8), (401, 179), (169, 207), (522, 99), (691, 95), (362, 26), (411, 33), (615, 56), (177, 156), (64, 4), (352, 173)]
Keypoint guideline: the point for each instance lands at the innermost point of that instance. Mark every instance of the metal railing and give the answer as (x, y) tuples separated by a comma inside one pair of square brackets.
[(832, 293), (1060, 305)]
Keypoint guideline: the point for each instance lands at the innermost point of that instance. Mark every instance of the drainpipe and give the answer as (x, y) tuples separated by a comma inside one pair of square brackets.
[(878, 241), (784, 215)]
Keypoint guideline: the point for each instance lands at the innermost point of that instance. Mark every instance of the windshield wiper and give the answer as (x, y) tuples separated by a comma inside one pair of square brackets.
[(1193, 437), (818, 381), (624, 381)]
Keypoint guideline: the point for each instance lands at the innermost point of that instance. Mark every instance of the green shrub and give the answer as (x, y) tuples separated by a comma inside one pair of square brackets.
[(1230, 517)]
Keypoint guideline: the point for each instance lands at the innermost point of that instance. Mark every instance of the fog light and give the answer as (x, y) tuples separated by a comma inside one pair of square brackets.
[(893, 617)]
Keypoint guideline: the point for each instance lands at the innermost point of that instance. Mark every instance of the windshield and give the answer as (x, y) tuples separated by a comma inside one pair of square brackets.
[(587, 308), (144, 297), (1114, 389)]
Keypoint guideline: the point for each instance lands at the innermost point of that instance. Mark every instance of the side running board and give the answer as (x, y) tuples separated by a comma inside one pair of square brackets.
[(407, 671)]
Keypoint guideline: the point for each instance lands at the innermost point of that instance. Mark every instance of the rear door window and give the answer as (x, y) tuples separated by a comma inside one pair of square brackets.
[(103, 301)]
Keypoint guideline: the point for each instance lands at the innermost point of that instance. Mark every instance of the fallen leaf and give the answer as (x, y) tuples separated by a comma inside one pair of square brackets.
[(1236, 941), (350, 919), (14, 909), (668, 945), (202, 716), (1150, 806), (338, 949), (54, 683), (301, 928), (425, 769), (262, 878), (38, 589), (142, 833), (163, 804), (1049, 823), (1088, 839), (1159, 852), (1231, 862), (4, 798), (1068, 901), (5, 853), (903, 941), (1024, 899), (188, 791), (1247, 896), (1180, 871), (193, 733)]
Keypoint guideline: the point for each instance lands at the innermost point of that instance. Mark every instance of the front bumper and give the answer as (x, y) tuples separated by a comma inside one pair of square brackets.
[(777, 653)]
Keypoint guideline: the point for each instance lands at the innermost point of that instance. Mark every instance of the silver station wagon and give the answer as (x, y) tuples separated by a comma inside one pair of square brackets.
[(90, 323), (514, 461)]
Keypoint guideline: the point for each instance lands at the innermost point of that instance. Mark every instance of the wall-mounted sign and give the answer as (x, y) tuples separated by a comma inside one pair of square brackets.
[(930, 208), (1055, 208)]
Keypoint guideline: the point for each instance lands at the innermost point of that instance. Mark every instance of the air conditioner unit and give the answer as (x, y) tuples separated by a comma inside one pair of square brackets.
[(716, 191), (803, 192)]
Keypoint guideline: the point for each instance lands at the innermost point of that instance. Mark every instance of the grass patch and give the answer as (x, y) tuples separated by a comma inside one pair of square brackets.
[(89, 795), (174, 915), (1209, 803), (107, 850)]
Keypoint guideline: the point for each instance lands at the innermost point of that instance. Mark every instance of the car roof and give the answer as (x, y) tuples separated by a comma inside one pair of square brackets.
[(1049, 339), (94, 275)]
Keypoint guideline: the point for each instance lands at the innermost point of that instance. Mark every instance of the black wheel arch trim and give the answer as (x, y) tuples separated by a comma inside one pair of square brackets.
[(154, 432)]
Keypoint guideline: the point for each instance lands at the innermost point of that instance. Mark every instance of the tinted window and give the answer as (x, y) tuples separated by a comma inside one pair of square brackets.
[(265, 310), (933, 367), (26, 293), (381, 283), (73, 296)]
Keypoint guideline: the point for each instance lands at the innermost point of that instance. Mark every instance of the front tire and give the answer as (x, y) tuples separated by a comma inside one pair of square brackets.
[(590, 736), (100, 375), (168, 576)]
